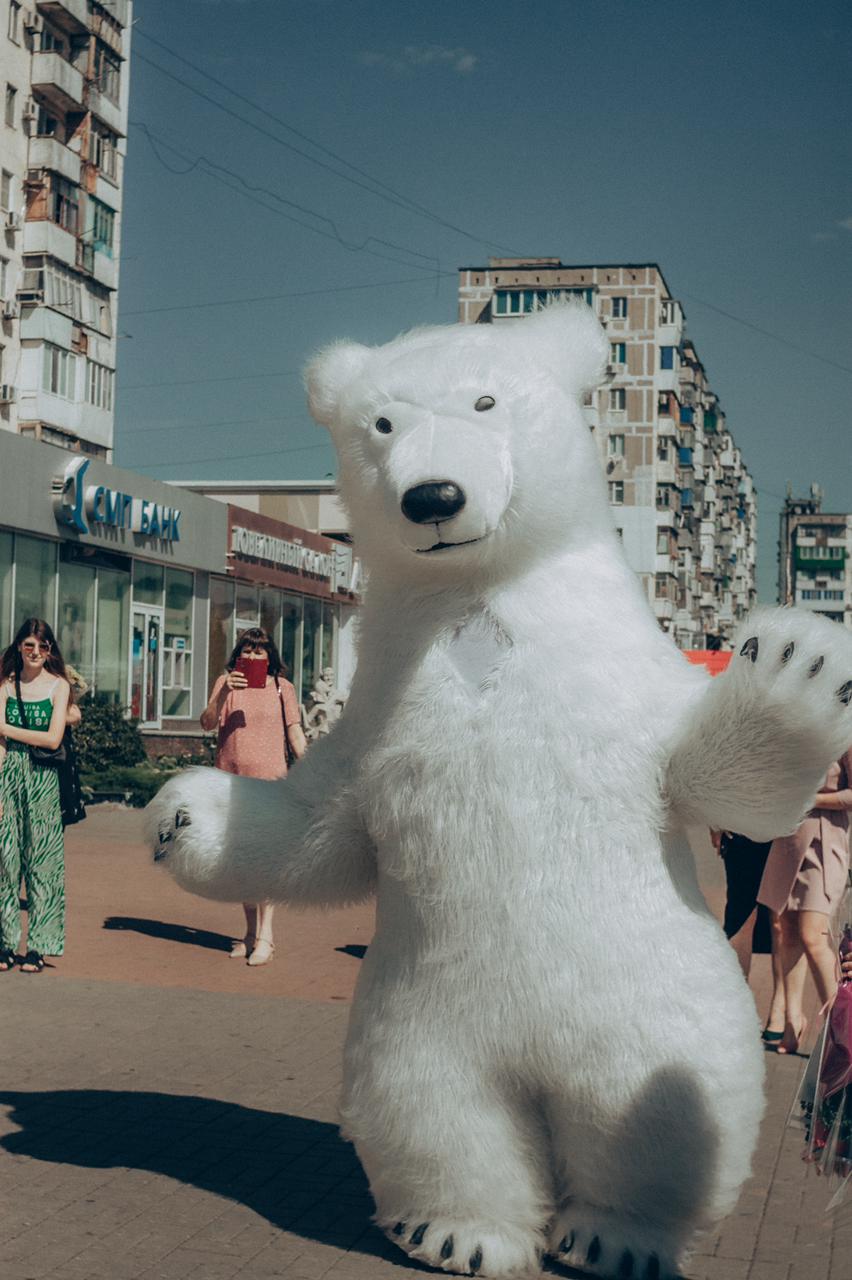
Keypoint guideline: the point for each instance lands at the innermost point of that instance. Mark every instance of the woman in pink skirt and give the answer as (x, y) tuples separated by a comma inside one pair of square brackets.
[(252, 722), (803, 882)]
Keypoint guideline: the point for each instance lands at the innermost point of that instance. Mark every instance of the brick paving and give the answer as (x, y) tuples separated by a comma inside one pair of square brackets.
[(168, 1113)]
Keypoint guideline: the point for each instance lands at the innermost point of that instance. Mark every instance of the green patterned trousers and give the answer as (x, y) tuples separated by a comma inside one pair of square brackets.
[(31, 845)]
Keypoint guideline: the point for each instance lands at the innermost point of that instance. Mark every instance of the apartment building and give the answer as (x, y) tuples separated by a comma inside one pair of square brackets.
[(64, 73), (682, 497), (815, 558)]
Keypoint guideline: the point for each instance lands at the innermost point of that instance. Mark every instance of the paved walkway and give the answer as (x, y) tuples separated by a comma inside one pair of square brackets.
[(168, 1113)]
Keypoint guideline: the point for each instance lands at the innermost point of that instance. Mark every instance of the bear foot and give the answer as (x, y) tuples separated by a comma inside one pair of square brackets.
[(601, 1243), (468, 1248)]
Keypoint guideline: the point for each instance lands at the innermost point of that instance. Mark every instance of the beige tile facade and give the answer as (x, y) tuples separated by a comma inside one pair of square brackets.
[(681, 495)]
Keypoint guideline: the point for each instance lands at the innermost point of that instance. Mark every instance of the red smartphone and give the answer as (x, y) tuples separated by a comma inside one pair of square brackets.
[(254, 670)]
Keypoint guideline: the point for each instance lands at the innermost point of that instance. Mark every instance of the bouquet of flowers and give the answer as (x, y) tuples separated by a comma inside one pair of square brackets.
[(825, 1094)]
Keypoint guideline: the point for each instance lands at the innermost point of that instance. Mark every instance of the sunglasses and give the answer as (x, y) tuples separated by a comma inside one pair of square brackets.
[(31, 647)]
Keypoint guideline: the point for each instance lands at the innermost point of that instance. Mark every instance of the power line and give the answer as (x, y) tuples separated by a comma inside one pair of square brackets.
[(178, 428), (267, 453), (767, 334), (384, 192), (214, 170), (278, 297), (197, 382)]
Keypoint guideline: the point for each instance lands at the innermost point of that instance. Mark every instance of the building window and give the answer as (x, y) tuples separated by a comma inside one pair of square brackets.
[(662, 543), (102, 220), (58, 371), (615, 445), (47, 126), (617, 399), (617, 352), (11, 96), (5, 190), (616, 492), (107, 72), (667, 357), (517, 302), (221, 635), (35, 578), (103, 150), (663, 449), (619, 308), (99, 386), (664, 497), (668, 311), (177, 643), (14, 28), (4, 278), (63, 204), (51, 42)]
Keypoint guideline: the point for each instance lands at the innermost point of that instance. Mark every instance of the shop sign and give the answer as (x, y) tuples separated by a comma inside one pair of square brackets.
[(251, 545), (86, 507)]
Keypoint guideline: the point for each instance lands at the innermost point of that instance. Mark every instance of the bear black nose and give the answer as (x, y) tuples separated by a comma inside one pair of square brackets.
[(435, 500)]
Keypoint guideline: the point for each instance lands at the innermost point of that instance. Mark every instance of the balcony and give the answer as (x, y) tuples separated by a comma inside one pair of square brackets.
[(58, 83), (107, 111), (43, 236), (814, 559), (48, 153), (71, 15)]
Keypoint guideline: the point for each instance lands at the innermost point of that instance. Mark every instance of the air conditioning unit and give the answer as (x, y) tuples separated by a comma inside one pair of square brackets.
[(8, 394), (13, 221), (29, 116), (34, 23), (11, 310)]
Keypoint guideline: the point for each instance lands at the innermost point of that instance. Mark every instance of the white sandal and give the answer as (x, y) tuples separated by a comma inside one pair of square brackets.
[(262, 953), (243, 948)]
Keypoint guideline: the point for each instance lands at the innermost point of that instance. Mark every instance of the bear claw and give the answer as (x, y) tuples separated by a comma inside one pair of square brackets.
[(652, 1268), (475, 1261), (625, 1266), (447, 1248), (788, 652), (844, 693), (816, 667), (399, 1229), (750, 648), (182, 818), (418, 1233), (594, 1250)]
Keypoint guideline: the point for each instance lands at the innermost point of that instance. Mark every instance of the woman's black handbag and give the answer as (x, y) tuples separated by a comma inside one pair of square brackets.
[(64, 760)]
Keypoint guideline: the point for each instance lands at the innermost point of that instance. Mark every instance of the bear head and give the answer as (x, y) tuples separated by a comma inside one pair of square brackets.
[(463, 449)]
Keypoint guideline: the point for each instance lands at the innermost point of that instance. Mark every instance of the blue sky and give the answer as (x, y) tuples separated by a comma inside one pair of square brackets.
[(381, 146)]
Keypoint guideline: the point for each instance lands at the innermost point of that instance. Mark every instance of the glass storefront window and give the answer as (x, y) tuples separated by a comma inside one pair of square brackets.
[(291, 639), (247, 611), (311, 640), (35, 579), (111, 663), (270, 614), (329, 635), (76, 624), (147, 582), (177, 644), (7, 629), (221, 639)]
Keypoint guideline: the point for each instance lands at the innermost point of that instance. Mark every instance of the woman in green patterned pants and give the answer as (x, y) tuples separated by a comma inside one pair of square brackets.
[(31, 834)]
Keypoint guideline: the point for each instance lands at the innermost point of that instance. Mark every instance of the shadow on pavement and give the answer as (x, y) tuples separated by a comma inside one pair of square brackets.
[(171, 932), (356, 949), (296, 1173)]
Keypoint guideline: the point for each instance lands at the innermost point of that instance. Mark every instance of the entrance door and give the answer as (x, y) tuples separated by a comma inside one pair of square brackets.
[(146, 666)]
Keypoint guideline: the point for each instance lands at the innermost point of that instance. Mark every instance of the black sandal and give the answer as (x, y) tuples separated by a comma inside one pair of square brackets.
[(35, 962), (7, 961)]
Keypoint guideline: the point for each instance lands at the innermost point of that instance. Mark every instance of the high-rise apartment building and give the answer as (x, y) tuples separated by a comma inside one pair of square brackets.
[(682, 497), (815, 558), (64, 75)]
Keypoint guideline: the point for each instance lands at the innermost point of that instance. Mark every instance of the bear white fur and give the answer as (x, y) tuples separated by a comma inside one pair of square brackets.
[(551, 1047)]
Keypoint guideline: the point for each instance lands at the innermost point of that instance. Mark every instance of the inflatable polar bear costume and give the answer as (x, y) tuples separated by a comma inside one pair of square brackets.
[(551, 1047)]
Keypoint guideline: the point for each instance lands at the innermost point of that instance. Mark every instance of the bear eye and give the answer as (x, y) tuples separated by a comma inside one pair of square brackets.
[(384, 425), (483, 403)]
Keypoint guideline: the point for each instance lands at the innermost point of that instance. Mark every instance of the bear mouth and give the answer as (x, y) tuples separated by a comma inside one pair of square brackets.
[(446, 546)]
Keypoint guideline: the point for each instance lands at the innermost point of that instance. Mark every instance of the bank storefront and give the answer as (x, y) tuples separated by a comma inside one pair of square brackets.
[(138, 580)]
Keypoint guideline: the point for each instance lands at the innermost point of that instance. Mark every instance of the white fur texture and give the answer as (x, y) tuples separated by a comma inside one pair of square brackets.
[(551, 1046)]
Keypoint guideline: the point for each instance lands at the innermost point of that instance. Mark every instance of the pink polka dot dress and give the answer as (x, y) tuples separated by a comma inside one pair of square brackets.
[(251, 731)]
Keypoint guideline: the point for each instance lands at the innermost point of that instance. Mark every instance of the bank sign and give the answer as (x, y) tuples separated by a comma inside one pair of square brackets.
[(89, 507)]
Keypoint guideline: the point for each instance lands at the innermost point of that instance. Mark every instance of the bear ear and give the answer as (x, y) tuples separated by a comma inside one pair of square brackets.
[(568, 338), (326, 376)]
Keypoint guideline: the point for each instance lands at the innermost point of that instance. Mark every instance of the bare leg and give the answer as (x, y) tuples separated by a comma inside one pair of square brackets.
[(741, 942), (822, 961), (244, 946), (777, 1017), (264, 946), (794, 968)]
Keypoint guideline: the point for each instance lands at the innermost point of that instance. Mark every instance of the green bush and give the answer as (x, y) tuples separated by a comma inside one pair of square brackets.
[(137, 784), (105, 738)]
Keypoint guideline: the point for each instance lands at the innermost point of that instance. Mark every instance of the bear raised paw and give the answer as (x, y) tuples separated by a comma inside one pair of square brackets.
[(512, 774)]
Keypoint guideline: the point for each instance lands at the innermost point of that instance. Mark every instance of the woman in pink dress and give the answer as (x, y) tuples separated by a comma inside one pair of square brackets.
[(803, 882), (251, 726)]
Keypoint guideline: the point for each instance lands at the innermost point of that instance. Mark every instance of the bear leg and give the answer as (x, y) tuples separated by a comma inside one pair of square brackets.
[(457, 1177)]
